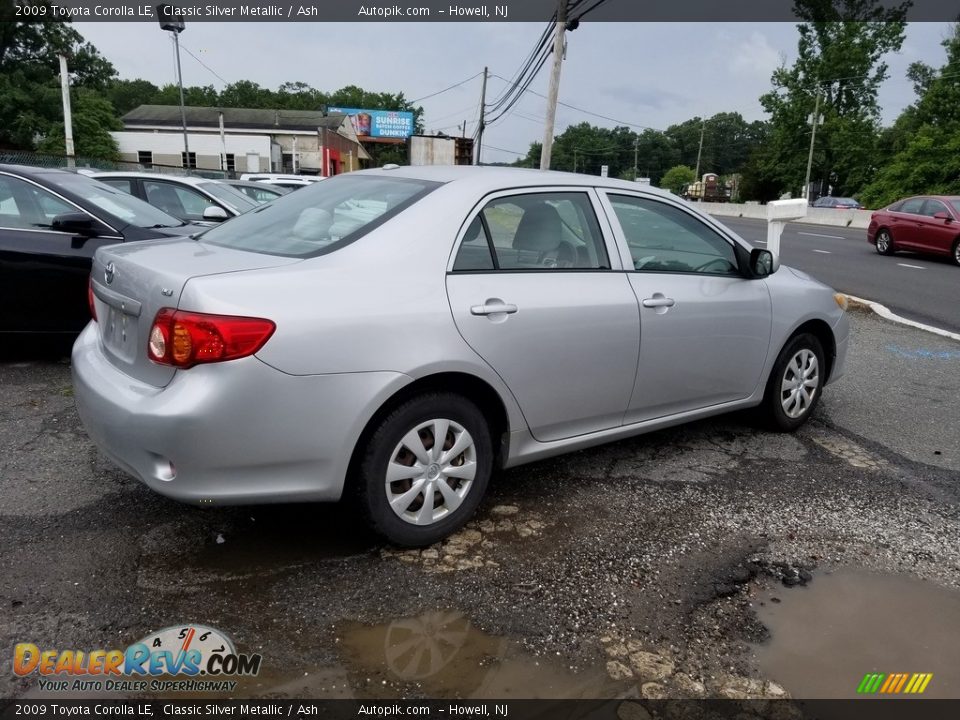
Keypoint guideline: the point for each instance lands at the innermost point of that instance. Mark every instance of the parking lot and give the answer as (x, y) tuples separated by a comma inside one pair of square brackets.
[(689, 562)]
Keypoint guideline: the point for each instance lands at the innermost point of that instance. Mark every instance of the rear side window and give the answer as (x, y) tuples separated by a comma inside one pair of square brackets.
[(912, 206), (536, 231), (322, 217)]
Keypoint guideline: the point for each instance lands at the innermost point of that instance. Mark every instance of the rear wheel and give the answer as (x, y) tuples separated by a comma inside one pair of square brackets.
[(425, 469), (884, 242), (795, 383)]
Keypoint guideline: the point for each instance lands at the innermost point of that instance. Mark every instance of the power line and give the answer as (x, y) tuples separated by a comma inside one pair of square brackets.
[(439, 92), (211, 70)]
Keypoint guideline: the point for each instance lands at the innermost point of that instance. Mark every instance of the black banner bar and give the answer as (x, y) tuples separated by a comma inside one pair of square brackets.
[(471, 11), (620, 709)]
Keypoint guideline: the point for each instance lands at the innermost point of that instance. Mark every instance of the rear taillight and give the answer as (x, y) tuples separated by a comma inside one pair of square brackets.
[(90, 300), (184, 339)]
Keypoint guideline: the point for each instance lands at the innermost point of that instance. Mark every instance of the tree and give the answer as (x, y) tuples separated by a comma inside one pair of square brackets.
[(925, 138), (840, 51), (30, 102), (676, 177), (93, 119), (125, 95)]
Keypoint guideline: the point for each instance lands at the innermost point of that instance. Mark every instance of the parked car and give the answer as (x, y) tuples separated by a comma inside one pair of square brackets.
[(291, 182), (927, 224), (839, 203), (258, 191), (193, 199), (405, 333), (51, 223)]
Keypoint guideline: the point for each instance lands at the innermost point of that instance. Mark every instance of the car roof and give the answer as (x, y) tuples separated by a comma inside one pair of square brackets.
[(31, 170), (185, 179), (489, 179)]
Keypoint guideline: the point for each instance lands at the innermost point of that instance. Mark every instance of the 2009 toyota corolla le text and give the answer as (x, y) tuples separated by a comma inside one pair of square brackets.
[(403, 333)]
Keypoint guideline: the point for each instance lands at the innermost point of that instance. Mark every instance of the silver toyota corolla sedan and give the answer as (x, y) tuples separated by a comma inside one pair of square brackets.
[(404, 333)]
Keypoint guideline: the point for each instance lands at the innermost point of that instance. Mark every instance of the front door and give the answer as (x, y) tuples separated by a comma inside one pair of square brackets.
[(704, 328)]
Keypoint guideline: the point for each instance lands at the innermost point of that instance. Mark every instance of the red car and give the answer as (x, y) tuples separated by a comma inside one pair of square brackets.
[(929, 224)]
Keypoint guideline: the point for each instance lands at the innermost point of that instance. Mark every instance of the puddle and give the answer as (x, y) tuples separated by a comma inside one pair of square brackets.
[(443, 655), (826, 636)]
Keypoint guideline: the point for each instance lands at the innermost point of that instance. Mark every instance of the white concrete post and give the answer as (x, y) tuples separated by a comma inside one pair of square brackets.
[(779, 212)]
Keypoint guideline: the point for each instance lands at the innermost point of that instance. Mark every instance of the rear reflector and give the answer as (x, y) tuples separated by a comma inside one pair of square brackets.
[(184, 339)]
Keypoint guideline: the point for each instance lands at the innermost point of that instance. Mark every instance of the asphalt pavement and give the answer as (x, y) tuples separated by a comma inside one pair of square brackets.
[(642, 568), (918, 287)]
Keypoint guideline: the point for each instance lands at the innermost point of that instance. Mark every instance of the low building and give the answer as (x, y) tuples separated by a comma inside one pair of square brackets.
[(241, 140)]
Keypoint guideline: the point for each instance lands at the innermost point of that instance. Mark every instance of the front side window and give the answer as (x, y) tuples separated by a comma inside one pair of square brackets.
[(322, 217), (119, 183), (537, 231), (181, 202), (664, 238), (932, 207)]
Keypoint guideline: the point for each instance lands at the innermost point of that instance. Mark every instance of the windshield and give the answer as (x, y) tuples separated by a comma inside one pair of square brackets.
[(234, 198), (320, 218), (116, 202)]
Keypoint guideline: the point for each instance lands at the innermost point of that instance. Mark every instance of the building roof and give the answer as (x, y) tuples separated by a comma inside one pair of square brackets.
[(251, 118)]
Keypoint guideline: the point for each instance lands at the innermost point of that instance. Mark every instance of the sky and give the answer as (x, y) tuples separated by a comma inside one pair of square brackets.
[(638, 74)]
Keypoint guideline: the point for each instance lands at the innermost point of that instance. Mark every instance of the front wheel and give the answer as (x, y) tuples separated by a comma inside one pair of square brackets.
[(795, 383), (884, 242), (955, 253), (425, 469)]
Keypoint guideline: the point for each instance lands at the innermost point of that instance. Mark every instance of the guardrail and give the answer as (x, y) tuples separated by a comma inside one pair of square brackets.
[(814, 216)]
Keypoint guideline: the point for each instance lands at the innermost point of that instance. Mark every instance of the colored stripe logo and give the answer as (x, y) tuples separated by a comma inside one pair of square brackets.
[(894, 683)]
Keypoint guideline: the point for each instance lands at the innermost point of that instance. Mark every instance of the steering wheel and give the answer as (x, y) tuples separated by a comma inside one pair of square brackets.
[(715, 261)]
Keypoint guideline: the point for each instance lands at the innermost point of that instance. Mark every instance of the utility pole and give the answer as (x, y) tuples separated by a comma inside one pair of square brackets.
[(554, 90), (815, 120), (67, 115), (483, 108), (696, 173), (636, 149)]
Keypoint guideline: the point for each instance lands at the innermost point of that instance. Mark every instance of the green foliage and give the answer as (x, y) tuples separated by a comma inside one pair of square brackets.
[(93, 119), (841, 60), (30, 101), (676, 177), (925, 140)]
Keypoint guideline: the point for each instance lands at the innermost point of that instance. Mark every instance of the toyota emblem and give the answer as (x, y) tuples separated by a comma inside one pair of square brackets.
[(108, 272)]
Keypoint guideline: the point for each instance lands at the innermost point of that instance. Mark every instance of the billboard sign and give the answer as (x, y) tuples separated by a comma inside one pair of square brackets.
[(379, 123)]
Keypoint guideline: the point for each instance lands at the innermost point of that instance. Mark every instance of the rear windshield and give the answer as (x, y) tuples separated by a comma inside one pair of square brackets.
[(320, 218)]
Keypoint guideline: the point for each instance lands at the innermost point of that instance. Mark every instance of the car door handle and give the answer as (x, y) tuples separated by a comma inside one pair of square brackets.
[(659, 301), (493, 307)]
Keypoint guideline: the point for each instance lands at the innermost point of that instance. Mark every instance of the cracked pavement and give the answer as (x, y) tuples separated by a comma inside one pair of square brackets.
[(631, 569)]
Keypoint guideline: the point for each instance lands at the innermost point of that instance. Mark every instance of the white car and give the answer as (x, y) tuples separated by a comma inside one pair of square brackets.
[(191, 199)]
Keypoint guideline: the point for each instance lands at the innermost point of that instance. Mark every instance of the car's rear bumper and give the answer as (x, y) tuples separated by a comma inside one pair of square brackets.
[(228, 433)]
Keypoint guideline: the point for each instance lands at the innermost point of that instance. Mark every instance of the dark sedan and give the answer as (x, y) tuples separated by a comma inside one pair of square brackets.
[(51, 223), (929, 224)]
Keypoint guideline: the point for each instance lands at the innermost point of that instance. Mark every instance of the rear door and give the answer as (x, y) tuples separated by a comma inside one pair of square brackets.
[(534, 292), (704, 328), (43, 272)]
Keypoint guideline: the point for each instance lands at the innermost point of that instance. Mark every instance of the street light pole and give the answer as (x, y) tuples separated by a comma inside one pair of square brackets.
[(67, 115), (171, 19)]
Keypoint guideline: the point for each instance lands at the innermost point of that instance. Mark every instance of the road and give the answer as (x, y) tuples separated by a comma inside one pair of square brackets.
[(920, 288)]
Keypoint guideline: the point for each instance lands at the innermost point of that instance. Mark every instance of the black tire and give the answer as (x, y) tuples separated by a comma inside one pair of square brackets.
[(784, 370), (885, 242), (955, 252), (382, 449)]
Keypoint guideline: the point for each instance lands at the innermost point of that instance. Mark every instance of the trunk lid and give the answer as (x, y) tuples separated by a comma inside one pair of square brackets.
[(133, 281)]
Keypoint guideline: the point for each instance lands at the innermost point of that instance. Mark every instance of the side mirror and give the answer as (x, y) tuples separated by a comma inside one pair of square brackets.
[(763, 263), (75, 223), (942, 216), (215, 213)]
